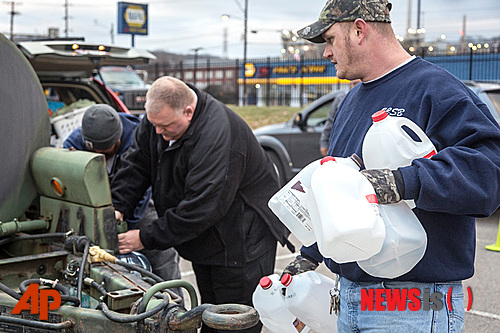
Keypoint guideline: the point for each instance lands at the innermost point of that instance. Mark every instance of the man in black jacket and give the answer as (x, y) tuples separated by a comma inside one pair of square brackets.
[(211, 183)]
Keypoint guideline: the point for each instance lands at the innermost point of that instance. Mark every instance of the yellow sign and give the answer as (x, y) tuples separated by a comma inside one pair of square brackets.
[(135, 16), (249, 70)]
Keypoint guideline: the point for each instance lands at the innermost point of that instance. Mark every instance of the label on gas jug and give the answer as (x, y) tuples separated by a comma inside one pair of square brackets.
[(294, 201)]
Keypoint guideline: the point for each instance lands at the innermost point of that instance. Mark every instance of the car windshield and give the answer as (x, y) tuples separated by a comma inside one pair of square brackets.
[(494, 96), (122, 77), (319, 115)]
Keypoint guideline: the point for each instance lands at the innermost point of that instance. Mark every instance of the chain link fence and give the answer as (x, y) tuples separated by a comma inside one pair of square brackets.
[(296, 82)]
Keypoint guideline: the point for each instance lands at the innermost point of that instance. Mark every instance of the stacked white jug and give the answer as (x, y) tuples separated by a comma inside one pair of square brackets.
[(388, 146), (293, 204), (347, 222), (308, 297), (269, 301)]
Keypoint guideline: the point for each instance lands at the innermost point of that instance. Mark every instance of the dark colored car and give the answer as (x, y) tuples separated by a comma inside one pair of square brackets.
[(295, 144), (489, 93), (127, 85)]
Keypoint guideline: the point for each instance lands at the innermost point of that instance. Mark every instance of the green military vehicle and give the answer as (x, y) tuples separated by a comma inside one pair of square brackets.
[(59, 269)]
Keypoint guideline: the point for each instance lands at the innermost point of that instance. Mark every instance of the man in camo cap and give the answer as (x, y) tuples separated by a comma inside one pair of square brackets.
[(346, 11), (449, 189)]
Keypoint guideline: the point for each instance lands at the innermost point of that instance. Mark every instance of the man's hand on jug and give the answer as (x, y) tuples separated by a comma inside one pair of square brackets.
[(388, 184), (299, 265)]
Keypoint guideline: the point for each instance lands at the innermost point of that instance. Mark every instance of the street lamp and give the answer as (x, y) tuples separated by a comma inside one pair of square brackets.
[(245, 41), (195, 63)]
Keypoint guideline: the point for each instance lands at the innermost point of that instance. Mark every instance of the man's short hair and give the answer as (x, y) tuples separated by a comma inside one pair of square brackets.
[(168, 91)]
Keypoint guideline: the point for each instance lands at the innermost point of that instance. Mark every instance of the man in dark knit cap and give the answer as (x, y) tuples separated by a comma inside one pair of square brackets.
[(110, 133)]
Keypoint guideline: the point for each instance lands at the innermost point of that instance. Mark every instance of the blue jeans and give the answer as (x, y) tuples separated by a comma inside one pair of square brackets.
[(433, 314)]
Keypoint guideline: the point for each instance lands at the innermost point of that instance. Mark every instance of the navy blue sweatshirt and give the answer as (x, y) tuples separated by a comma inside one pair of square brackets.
[(456, 185)]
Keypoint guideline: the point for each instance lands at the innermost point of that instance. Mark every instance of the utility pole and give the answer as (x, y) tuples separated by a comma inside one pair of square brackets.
[(224, 48), (112, 33), (418, 14), (245, 55), (464, 33), (408, 25), (195, 64), (12, 14), (66, 18)]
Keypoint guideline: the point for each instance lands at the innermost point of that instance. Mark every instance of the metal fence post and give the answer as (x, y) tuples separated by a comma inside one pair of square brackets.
[(268, 83), (236, 76), (470, 63), (301, 91)]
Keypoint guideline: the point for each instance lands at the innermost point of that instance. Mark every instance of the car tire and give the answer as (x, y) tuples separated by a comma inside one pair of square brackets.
[(278, 166)]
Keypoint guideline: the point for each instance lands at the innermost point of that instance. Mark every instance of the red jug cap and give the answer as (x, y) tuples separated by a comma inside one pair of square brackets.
[(379, 115)]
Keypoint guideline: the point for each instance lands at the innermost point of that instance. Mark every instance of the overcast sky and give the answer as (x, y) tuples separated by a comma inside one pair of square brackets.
[(182, 25)]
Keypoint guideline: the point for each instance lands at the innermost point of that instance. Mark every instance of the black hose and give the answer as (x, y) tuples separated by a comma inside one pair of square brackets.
[(37, 236), (65, 297), (132, 318), (177, 320), (37, 324), (141, 270), (98, 287), (10, 291), (82, 270)]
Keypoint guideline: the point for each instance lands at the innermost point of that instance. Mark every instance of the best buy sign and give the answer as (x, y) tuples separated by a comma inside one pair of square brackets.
[(132, 18)]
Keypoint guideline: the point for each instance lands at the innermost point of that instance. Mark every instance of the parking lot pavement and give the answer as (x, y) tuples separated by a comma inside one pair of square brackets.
[(484, 315)]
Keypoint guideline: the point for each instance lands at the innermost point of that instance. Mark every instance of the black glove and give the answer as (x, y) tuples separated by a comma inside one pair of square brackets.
[(300, 265), (388, 184)]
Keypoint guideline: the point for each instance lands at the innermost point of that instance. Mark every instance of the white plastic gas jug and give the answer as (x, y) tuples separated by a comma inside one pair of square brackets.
[(293, 203), (308, 297), (404, 245), (269, 302), (388, 146), (347, 223)]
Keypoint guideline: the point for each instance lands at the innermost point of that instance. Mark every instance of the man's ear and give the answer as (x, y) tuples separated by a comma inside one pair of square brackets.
[(189, 111), (360, 29)]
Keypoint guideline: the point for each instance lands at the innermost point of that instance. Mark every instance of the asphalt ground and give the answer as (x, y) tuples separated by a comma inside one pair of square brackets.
[(484, 315)]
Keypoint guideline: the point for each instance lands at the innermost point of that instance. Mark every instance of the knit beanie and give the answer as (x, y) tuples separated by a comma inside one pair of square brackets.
[(101, 127)]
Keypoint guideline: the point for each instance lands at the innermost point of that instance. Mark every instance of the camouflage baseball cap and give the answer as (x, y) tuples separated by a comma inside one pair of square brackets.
[(345, 11)]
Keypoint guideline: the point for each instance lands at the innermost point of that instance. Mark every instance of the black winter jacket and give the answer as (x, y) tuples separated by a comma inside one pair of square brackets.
[(210, 188)]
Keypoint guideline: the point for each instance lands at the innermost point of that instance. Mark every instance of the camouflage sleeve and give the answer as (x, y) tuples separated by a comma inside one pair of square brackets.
[(300, 265), (388, 184)]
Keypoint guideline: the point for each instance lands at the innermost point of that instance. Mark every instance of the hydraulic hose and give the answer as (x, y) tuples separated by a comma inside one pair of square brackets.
[(82, 270), (92, 283), (165, 285), (79, 244), (132, 318), (65, 297), (37, 324), (9, 291), (139, 269), (179, 320)]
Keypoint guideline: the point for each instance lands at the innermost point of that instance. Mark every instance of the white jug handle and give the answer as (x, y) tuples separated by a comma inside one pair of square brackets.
[(402, 121)]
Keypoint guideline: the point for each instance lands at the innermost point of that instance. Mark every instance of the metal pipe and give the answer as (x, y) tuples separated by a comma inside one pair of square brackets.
[(14, 227)]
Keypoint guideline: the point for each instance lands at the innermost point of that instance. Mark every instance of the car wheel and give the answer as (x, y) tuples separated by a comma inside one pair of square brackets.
[(278, 166)]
